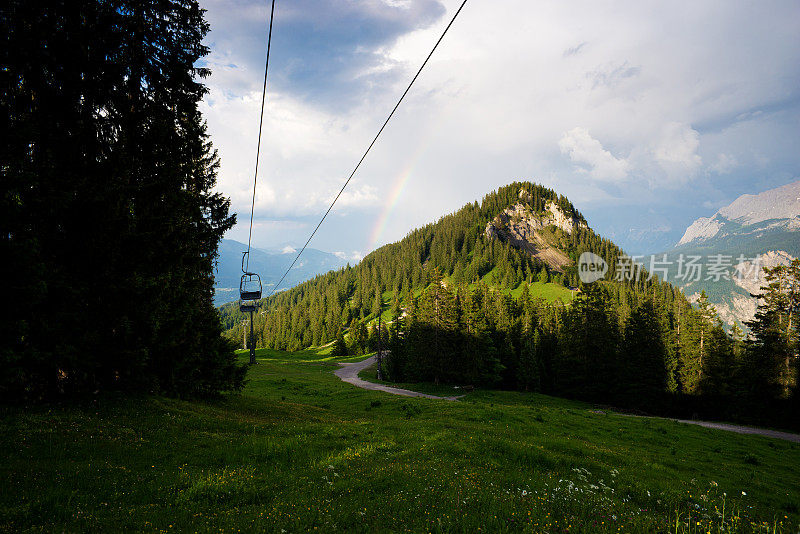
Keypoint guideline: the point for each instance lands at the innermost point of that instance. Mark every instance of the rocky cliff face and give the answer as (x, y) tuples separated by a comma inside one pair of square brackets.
[(522, 227), (776, 209), (749, 275), (701, 229), (762, 228), (737, 303)]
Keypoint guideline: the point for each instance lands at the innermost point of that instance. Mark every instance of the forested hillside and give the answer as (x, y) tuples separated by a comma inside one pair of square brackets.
[(456, 245), (462, 303)]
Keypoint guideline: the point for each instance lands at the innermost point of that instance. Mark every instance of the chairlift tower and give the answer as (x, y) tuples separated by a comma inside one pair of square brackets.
[(380, 358)]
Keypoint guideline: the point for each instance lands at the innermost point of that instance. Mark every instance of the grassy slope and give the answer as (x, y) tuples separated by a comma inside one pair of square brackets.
[(299, 449), (548, 291)]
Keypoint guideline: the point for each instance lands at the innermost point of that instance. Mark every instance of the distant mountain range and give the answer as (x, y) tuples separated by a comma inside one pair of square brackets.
[(752, 232), (270, 265), (771, 214)]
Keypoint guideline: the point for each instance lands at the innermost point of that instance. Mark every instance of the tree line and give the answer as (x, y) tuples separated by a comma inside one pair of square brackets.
[(108, 222), (649, 350)]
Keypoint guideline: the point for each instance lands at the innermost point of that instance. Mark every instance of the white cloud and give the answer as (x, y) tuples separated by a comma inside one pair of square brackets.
[(354, 256), (499, 101), (612, 75), (573, 50), (267, 232), (714, 205), (586, 151), (364, 196), (676, 152), (306, 154), (725, 164)]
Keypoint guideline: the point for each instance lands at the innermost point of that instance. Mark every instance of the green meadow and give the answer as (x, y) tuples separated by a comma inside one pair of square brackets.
[(548, 291), (298, 450)]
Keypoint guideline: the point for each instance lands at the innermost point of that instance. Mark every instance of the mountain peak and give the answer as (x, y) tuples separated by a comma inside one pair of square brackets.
[(752, 232), (781, 205), (523, 227)]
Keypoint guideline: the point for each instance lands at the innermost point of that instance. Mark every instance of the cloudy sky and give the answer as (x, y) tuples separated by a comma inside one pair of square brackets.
[(646, 115)]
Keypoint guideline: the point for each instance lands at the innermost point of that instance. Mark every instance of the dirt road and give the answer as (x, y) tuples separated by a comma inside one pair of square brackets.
[(349, 373), (744, 429), (788, 436)]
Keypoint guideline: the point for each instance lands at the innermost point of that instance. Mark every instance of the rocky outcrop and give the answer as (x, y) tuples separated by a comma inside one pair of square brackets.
[(700, 230), (749, 275), (520, 226), (736, 306), (733, 309), (560, 219)]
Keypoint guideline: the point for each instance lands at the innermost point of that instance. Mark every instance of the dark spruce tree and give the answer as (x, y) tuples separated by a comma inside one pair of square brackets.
[(339, 345), (587, 364), (108, 223), (642, 360), (769, 369)]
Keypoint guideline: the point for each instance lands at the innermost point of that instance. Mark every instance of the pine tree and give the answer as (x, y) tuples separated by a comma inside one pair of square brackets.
[(529, 377), (696, 327), (642, 358), (396, 362), (588, 354), (377, 303), (339, 346), (707, 321), (359, 336), (769, 367), (720, 361), (543, 277), (109, 207), (479, 361), (396, 308)]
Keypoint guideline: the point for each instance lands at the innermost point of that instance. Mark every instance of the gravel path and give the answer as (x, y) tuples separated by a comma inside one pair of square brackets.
[(349, 373), (788, 436), (744, 430)]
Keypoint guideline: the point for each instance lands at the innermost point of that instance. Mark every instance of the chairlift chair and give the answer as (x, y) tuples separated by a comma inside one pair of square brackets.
[(247, 306), (250, 283), (249, 289)]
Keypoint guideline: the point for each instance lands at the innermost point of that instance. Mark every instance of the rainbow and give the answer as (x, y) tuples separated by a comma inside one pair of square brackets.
[(400, 182), (391, 201), (424, 142)]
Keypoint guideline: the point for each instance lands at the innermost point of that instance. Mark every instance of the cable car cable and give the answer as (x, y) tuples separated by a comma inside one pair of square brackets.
[(260, 125), (249, 294), (275, 287)]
